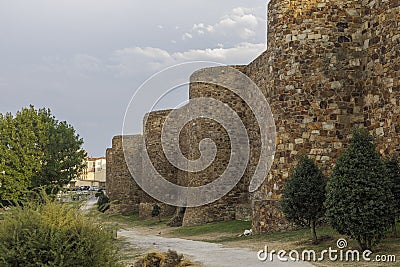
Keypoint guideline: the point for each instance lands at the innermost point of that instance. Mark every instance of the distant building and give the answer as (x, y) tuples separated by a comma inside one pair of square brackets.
[(94, 174)]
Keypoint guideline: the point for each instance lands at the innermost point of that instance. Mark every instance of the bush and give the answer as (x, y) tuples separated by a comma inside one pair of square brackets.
[(156, 212), (99, 193), (359, 200), (54, 234), (304, 195), (103, 202), (168, 259)]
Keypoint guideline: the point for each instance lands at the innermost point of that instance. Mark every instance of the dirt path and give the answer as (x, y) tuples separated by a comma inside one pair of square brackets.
[(208, 254), (88, 204)]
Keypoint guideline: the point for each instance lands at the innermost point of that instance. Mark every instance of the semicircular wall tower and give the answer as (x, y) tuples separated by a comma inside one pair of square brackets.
[(311, 74), (381, 35), (329, 66)]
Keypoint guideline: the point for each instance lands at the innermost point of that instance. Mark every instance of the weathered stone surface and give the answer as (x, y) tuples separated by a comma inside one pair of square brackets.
[(225, 208), (121, 188), (145, 210), (243, 212), (267, 217), (338, 68), (329, 66)]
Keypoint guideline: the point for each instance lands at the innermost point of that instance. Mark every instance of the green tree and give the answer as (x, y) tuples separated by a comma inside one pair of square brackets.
[(36, 150), (359, 198), (393, 172), (304, 195)]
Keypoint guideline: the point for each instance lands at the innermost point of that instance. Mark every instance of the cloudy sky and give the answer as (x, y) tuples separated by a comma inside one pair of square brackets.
[(84, 59)]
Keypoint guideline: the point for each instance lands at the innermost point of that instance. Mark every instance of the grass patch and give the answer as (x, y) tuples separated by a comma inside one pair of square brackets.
[(300, 234), (232, 227), (134, 220)]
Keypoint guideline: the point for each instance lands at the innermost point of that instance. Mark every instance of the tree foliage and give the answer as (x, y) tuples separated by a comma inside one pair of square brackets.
[(393, 173), (36, 150), (54, 234), (359, 198), (304, 195)]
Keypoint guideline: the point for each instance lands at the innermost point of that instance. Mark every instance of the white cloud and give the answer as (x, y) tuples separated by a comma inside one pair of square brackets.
[(242, 23), (141, 62), (187, 36), (130, 61), (202, 28)]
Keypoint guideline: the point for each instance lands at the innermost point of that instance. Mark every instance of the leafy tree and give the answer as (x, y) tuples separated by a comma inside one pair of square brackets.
[(359, 198), (36, 150), (304, 195), (393, 172)]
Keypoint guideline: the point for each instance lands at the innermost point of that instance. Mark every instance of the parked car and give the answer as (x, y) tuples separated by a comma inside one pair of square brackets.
[(84, 188)]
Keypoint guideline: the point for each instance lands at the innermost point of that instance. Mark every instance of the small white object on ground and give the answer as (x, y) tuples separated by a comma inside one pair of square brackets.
[(248, 232)]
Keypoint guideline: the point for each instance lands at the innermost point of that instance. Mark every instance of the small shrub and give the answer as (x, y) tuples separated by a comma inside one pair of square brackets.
[(168, 259), (103, 202), (54, 234), (156, 212), (99, 193)]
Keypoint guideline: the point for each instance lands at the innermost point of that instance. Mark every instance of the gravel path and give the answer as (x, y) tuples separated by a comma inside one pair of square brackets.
[(88, 204), (208, 254)]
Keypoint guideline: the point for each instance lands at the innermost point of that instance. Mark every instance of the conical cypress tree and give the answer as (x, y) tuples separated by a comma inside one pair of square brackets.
[(393, 172), (358, 194), (304, 195)]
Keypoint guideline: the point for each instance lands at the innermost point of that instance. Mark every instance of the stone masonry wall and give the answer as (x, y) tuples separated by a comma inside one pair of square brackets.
[(124, 193), (311, 75), (233, 205), (153, 124), (329, 66), (381, 65)]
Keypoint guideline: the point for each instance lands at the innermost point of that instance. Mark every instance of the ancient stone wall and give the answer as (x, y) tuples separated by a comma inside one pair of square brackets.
[(146, 208), (329, 66), (226, 208), (311, 75), (153, 125), (268, 217), (124, 193), (381, 35)]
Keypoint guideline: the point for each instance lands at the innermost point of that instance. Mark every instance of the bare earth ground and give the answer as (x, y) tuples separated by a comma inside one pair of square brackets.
[(199, 252), (225, 248)]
